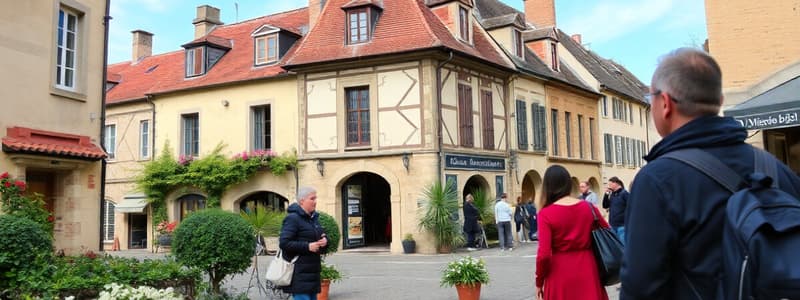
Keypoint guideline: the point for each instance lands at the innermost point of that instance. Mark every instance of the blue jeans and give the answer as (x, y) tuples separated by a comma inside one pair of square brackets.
[(620, 231), (504, 233), (304, 296)]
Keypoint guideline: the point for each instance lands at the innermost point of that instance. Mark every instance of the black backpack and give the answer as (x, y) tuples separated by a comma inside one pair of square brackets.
[(761, 235)]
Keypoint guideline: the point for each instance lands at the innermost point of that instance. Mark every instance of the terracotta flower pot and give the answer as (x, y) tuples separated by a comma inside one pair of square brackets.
[(325, 287), (445, 249), (468, 291)]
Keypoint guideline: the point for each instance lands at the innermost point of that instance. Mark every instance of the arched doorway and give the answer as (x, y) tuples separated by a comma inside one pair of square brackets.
[(366, 211), (575, 187), (189, 204), (268, 200), (475, 183), (530, 185), (595, 186)]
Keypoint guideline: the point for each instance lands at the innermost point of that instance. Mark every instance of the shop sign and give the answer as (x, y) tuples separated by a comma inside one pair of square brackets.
[(770, 120), (470, 162)]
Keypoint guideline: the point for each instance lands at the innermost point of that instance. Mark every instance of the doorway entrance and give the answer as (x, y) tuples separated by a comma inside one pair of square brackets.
[(474, 184), (137, 231), (366, 211), (43, 183)]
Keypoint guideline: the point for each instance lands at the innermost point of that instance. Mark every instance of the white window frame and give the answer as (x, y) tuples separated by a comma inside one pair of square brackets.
[(191, 56), (63, 51), (266, 58), (110, 140), (183, 136), (144, 139), (269, 119), (109, 221)]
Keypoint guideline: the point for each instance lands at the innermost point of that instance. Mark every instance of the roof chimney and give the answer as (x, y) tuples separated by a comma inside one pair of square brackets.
[(540, 13), (314, 10), (142, 45), (207, 18), (577, 39)]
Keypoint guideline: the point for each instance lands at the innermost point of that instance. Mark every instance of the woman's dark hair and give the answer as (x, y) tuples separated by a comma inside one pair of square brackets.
[(616, 180), (556, 184)]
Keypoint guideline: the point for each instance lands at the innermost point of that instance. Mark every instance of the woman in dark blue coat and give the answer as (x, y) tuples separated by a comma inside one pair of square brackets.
[(303, 236)]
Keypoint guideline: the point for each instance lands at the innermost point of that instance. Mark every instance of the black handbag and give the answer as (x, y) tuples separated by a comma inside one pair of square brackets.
[(607, 250)]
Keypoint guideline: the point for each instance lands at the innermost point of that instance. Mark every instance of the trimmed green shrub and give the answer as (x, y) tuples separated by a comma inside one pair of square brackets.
[(219, 242), (22, 242), (331, 231)]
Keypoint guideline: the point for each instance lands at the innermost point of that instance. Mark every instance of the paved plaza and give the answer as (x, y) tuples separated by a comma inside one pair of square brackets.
[(379, 275)]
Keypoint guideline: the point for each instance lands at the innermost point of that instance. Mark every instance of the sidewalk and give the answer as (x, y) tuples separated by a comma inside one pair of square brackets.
[(387, 277)]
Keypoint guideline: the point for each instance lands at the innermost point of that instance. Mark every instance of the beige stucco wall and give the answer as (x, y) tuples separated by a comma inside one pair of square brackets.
[(641, 130), (229, 124), (27, 52), (751, 40)]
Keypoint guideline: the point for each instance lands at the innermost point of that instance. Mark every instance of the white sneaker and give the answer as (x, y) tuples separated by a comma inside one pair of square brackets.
[(471, 249), (511, 249)]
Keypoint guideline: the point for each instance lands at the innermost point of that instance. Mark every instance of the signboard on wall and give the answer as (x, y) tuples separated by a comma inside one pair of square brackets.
[(353, 216), (472, 162), (770, 120)]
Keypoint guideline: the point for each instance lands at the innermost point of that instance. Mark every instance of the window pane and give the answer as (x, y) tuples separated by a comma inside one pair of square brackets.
[(68, 78), (272, 52), (71, 21), (70, 40), (70, 62)]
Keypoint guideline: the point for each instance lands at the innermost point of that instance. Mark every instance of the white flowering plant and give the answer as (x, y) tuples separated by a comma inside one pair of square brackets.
[(115, 291), (465, 271)]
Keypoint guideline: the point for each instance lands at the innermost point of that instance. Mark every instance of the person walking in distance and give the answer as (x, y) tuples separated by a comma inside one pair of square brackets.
[(303, 236), (520, 220), (676, 214), (587, 194), (565, 265), (471, 225), (532, 228), (502, 216), (616, 199)]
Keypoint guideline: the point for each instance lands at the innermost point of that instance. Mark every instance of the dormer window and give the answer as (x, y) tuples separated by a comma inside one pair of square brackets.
[(519, 47), (463, 23), (554, 56), (266, 49), (358, 31), (202, 54), (194, 62), (361, 19)]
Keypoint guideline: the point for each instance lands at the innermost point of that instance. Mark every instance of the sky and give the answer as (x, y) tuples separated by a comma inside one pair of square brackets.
[(634, 33)]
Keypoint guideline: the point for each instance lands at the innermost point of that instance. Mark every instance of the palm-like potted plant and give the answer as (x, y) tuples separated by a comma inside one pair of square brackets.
[(466, 274), (440, 215), (409, 245)]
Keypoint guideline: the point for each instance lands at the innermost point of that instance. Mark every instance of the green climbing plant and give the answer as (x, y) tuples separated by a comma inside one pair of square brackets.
[(213, 174)]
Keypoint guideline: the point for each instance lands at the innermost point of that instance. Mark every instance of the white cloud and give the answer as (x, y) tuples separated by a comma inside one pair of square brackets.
[(610, 19)]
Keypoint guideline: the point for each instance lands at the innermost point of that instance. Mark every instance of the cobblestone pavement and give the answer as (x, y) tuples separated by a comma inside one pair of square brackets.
[(370, 275)]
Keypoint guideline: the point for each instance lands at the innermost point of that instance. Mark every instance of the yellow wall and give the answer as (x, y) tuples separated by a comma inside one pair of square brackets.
[(641, 130), (27, 58), (752, 39), (230, 124)]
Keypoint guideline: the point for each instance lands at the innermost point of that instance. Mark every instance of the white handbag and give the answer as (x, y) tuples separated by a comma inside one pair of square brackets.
[(280, 271)]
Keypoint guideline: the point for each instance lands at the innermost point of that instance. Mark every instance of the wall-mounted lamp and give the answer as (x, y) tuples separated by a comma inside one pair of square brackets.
[(321, 167), (406, 161), (225, 103)]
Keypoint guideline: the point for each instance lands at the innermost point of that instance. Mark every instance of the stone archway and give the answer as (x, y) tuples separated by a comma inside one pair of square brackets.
[(366, 210), (575, 187), (530, 185), (267, 199), (474, 183), (594, 185)]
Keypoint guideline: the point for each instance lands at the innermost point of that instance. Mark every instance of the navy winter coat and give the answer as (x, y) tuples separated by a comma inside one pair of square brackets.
[(299, 229), (675, 215), (617, 201), (471, 216)]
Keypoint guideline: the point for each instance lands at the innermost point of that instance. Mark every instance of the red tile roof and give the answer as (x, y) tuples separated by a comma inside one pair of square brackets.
[(27, 140), (357, 3), (165, 72), (210, 39), (404, 25)]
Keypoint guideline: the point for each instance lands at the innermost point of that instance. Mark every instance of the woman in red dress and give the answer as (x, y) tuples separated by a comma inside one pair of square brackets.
[(565, 264)]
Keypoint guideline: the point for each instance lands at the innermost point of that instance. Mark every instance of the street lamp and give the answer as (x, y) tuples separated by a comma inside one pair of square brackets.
[(321, 167), (406, 161)]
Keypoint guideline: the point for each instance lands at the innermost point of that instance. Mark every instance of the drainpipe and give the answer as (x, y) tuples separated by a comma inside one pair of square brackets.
[(106, 21), (439, 110), (149, 100)]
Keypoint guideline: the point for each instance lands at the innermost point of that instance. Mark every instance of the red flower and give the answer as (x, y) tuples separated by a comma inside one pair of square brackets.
[(20, 185), (4, 175), (8, 184), (51, 219)]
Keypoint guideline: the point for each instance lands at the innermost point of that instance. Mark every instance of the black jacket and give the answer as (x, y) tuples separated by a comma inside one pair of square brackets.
[(675, 215), (471, 216), (299, 229), (617, 201)]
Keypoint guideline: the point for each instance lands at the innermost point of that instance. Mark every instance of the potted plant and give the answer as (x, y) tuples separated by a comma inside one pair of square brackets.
[(328, 273), (409, 245), (165, 230), (466, 274), (440, 216)]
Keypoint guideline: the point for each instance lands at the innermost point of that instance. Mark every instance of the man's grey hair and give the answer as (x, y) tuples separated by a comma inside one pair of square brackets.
[(304, 192), (693, 79)]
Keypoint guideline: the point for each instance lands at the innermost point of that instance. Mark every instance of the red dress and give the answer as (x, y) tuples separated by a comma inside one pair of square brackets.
[(565, 264)]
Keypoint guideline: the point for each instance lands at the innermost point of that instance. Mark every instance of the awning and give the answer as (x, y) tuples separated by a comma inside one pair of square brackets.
[(776, 108), (132, 204), (41, 142)]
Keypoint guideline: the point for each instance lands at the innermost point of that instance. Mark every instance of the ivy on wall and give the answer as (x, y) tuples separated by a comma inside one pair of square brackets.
[(213, 174)]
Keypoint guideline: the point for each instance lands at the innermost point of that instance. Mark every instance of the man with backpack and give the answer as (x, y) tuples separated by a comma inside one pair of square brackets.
[(681, 243)]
